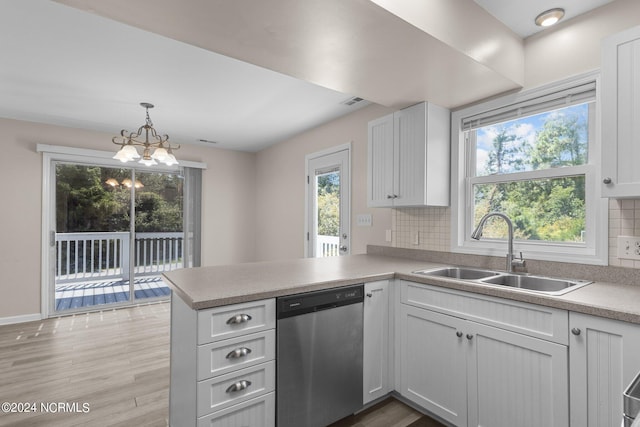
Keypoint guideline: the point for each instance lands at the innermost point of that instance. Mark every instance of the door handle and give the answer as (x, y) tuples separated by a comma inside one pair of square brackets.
[(343, 248)]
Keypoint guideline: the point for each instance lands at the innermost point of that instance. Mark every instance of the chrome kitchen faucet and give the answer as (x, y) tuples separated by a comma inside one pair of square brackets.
[(511, 261)]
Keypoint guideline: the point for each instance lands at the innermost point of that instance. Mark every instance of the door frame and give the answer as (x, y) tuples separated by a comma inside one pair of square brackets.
[(344, 228), (83, 156)]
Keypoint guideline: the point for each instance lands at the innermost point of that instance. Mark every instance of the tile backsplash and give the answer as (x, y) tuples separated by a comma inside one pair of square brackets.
[(429, 228), (426, 228), (624, 220)]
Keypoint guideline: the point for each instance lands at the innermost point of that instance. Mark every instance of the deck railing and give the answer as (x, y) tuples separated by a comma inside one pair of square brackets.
[(103, 256), (327, 246)]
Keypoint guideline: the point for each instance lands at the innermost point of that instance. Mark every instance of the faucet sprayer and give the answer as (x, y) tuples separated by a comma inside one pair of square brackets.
[(511, 260)]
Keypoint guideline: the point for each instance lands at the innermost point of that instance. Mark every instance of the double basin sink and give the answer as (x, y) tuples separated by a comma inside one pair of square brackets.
[(524, 282)]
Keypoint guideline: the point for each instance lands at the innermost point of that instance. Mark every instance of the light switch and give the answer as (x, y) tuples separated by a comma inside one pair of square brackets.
[(363, 220)]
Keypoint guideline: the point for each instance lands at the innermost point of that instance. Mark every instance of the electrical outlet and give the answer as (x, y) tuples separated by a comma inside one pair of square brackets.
[(629, 247), (415, 237)]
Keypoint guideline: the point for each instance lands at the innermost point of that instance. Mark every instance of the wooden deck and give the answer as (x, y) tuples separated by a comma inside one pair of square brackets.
[(89, 294)]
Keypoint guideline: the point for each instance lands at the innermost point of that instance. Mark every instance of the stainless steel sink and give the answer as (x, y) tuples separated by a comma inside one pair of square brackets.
[(524, 282), (458, 273), (546, 285)]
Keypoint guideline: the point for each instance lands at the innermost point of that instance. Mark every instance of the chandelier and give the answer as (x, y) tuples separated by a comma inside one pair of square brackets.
[(162, 149)]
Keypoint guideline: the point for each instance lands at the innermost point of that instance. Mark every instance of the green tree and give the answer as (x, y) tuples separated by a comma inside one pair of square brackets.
[(85, 202), (506, 153), (561, 142), (543, 209), (328, 204)]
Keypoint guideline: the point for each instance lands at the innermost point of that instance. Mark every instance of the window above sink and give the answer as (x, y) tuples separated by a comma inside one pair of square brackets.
[(533, 156)]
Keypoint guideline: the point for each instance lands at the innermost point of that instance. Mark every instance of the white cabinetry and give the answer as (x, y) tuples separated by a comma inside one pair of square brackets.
[(376, 372), (223, 365), (476, 360), (621, 114), (408, 158), (604, 358)]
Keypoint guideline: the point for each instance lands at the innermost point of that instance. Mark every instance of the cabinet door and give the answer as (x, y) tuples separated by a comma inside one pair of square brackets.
[(410, 155), (604, 358), (380, 162), (621, 114), (432, 362), (516, 380), (376, 341)]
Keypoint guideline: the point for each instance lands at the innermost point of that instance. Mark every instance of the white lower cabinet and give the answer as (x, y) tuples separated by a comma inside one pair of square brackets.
[(604, 358), (223, 365), (472, 374), (376, 360), (432, 361), (253, 413)]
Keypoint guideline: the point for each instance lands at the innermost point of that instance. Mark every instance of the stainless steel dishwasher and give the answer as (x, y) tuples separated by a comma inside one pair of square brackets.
[(319, 357)]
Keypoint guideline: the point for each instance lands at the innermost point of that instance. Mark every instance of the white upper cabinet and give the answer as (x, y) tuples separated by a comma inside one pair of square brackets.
[(621, 114), (408, 159)]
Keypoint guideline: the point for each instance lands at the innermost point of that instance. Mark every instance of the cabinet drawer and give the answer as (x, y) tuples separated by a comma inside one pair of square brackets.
[(260, 412), (547, 323), (221, 357), (233, 320), (238, 386)]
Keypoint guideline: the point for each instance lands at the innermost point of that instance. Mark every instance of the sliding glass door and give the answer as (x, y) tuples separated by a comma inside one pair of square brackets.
[(116, 231)]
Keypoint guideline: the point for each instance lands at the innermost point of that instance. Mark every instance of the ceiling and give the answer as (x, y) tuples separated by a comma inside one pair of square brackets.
[(90, 65), (519, 15)]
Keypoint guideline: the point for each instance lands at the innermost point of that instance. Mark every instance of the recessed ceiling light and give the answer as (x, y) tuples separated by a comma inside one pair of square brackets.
[(549, 17)]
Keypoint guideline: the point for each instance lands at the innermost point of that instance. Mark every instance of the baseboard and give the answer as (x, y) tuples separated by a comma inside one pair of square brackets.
[(20, 319)]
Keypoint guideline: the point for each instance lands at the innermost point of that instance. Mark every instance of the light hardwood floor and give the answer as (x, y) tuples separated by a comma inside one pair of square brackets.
[(117, 362)]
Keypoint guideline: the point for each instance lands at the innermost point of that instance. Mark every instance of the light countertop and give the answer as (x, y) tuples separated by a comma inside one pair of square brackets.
[(207, 287)]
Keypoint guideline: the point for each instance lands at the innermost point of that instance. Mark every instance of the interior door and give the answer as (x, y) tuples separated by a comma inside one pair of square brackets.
[(328, 195)]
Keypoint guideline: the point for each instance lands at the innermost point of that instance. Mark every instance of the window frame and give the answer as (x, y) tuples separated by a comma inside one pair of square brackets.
[(595, 248)]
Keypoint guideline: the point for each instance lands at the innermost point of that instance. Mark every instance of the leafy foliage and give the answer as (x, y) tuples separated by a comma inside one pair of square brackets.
[(550, 209), (329, 204), (85, 202)]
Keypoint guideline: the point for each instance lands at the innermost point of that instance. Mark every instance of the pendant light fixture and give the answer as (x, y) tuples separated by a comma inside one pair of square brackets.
[(155, 148)]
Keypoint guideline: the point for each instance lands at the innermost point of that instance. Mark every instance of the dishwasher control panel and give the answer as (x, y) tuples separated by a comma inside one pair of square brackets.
[(294, 305)]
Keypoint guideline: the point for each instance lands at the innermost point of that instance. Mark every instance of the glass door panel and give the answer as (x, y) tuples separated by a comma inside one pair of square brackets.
[(92, 230), (159, 238), (328, 209)]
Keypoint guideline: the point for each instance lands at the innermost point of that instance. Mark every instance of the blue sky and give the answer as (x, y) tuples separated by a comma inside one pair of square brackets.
[(524, 127)]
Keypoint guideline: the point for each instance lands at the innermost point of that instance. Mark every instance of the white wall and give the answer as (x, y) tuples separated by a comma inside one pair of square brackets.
[(573, 47), (227, 210), (554, 54), (281, 181)]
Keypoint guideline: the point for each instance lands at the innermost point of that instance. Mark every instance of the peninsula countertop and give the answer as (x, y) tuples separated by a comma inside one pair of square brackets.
[(207, 287)]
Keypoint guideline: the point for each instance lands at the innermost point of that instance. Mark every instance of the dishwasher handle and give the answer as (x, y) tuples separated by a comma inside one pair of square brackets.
[(325, 307)]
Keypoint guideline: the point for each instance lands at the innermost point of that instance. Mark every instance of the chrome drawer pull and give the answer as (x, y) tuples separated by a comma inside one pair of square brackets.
[(238, 353), (239, 386), (238, 319)]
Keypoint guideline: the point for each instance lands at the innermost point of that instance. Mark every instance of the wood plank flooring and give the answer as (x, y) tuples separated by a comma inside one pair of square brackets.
[(116, 361), (111, 368), (388, 413)]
